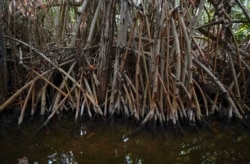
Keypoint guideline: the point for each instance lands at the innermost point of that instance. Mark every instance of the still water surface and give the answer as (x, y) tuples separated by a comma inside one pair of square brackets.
[(68, 142)]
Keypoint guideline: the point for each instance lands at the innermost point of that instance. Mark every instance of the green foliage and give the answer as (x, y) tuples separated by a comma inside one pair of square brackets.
[(241, 30), (242, 33)]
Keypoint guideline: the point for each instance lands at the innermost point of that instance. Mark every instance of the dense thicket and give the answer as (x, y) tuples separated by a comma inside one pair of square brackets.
[(162, 60)]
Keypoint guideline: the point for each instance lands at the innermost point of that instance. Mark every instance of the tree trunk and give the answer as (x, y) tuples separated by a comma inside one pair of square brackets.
[(3, 67), (105, 48)]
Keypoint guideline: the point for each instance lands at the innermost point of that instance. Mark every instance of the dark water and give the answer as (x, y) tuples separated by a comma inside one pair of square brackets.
[(65, 142)]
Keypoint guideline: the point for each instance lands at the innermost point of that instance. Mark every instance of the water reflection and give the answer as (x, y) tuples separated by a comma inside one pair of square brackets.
[(64, 158), (129, 159), (125, 139), (89, 142), (83, 131)]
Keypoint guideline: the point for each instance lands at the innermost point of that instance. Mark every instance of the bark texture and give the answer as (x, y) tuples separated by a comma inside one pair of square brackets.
[(3, 69), (105, 48)]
